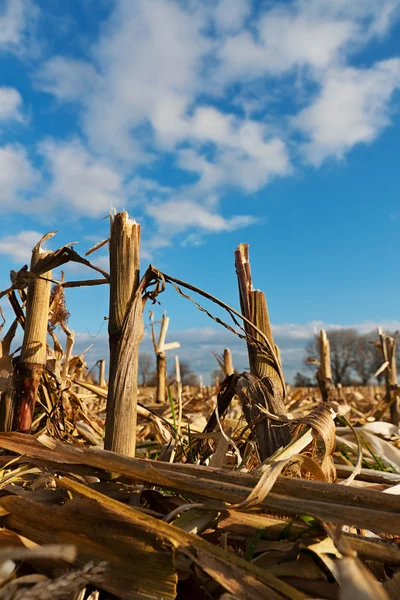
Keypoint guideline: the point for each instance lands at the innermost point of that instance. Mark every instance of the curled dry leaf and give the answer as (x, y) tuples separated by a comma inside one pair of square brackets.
[(321, 420)]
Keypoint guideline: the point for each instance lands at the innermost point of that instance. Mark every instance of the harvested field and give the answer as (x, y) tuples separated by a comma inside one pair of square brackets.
[(245, 489)]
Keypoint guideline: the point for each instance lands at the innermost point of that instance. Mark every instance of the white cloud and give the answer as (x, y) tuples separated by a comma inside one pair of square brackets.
[(82, 183), (313, 34), (284, 41), (352, 107), (236, 167), (178, 216), (66, 78), (372, 17), (10, 104), (17, 176), (150, 88), (230, 15), (17, 23), (102, 261), (193, 239), (296, 331), (140, 187), (152, 65), (159, 89), (247, 155), (151, 58), (368, 326), (19, 246)]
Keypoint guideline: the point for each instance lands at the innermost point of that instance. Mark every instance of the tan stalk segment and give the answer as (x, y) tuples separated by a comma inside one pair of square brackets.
[(267, 368), (228, 364), (260, 317), (32, 360), (160, 348), (393, 384), (102, 371), (388, 349), (161, 377), (5, 411), (254, 307), (69, 344), (178, 393), (278, 354), (120, 431), (324, 374), (124, 273), (161, 361), (360, 508)]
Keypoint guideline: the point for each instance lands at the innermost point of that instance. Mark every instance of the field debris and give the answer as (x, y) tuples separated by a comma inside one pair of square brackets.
[(245, 489)]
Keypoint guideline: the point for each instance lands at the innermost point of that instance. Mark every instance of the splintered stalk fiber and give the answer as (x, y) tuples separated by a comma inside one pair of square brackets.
[(393, 385), (102, 370), (178, 394), (324, 374), (254, 308), (161, 361), (120, 434), (161, 377), (228, 364), (271, 391), (32, 360), (388, 348), (5, 411)]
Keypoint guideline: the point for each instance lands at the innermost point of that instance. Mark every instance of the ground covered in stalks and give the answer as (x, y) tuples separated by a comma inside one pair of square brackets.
[(247, 489), (197, 515)]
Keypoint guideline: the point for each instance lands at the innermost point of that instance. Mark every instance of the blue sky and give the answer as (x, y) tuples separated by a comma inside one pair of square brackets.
[(213, 122)]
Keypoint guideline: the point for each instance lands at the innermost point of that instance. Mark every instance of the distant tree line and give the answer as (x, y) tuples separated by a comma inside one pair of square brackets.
[(147, 371), (355, 358)]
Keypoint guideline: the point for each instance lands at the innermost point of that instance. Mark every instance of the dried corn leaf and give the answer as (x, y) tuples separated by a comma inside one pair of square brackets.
[(339, 504), (242, 586), (270, 474), (6, 357), (357, 582), (137, 561), (278, 563), (386, 451), (187, 543), (392, 587), (64, 552)]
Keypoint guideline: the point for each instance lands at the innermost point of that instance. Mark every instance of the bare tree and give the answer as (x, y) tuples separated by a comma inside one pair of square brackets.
[(367, 359), (187, 375), (301, 380), (217, 373), (146, 367), (343, 348), (351, 353)]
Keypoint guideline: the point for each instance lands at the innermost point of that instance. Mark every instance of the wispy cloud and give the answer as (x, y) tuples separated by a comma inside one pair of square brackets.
[(353, 107), (81, 182), (19, 247), (17, 177), (18, 21), (179, 216), (191, 83), (303, 34), (10, 104), (66, 78)]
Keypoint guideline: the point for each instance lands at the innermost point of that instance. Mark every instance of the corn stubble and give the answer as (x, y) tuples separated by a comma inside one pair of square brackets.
[(247, 489)]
